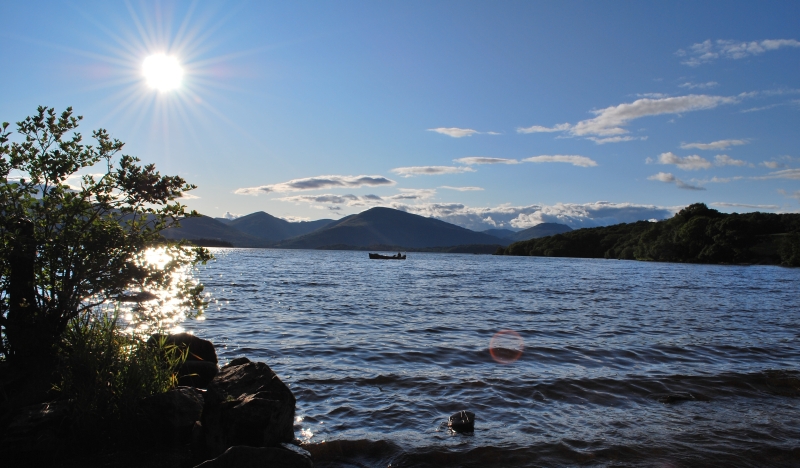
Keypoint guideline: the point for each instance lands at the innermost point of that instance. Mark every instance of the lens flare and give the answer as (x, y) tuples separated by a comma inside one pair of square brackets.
[(506, 346), (162, 72)]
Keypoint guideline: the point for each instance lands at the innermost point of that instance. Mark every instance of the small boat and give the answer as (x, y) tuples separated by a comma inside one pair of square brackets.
[(374, 256)]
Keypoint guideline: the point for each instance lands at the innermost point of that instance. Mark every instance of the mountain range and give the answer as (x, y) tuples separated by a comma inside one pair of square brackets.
[(385, 227)]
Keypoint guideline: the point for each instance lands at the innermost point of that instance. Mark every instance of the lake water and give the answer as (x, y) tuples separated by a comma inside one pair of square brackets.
[(624, 363)]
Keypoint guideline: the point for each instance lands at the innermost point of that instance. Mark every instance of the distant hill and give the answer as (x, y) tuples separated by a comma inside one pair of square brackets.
[(696, 234), (272, 229), (206, 228), (540, 230), (500, 233), (389, 227)]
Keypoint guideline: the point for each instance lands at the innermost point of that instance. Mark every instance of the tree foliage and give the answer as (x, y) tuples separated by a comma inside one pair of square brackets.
[(696, 234), (74, 223)]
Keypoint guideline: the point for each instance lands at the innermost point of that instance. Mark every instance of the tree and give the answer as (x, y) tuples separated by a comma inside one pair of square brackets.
[(66, 249)]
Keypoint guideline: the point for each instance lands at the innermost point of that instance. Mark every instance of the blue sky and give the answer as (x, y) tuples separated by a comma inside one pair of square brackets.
[(486, 114)]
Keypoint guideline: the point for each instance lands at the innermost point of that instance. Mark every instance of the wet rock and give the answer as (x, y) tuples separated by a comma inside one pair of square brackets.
[(201, 358), (247, 404), (237, 361), (174, 413), (463, 421), (260, 457), (36, 429)]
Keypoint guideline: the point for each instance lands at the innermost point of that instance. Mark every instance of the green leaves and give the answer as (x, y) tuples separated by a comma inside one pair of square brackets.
[(90, 230)]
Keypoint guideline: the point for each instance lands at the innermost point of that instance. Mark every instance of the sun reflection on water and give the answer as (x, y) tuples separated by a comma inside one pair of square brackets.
[(159, 308)]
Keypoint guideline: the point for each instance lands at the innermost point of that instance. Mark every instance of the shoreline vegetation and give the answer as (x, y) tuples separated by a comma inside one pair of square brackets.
[(696, 234)]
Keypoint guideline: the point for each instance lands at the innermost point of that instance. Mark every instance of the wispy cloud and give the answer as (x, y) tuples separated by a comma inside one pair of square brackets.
[(611, 120), (792, 174), (430, 170), (795, 194), (461, 189), (772, 164), (319, 183), (456, 132), (745, 205), (715, 145), (668, 178), (687, 163), (708, 51), (575, 160), (540, 129), (481, 160), (725, 160), (608, 125), (615, 139), (690, 85)]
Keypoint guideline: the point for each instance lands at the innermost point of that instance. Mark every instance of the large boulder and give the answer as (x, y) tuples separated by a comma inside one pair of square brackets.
[(35, 430), (260, 457), (247, 404), (173, 414), (201, 358)]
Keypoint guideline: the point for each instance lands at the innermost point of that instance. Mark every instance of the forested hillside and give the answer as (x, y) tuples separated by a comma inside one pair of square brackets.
[(696, 234)]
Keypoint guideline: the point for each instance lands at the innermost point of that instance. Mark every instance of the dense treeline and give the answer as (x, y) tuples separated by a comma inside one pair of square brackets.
[(696, 234)]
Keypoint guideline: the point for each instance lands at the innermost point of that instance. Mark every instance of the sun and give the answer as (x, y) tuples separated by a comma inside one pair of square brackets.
[(162, 72)]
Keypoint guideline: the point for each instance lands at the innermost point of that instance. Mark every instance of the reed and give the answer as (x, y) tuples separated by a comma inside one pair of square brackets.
[(107, 371)]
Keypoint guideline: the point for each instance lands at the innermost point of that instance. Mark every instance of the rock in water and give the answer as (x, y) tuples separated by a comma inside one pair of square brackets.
[(201, 358), (247, 404), (463, 421), (259, 457)]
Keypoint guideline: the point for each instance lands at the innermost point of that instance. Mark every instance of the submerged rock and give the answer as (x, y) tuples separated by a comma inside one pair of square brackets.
[(463, 421), (259, 457), (674, 397), (247, 404)]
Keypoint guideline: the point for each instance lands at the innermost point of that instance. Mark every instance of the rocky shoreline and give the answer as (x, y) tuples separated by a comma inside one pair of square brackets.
[(241, 414)]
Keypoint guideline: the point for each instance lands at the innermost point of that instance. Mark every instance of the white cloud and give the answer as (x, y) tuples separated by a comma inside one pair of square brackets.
[(688, 163), (608, 125), (413, 194), (461, 189), (714, 145), (725, 160), (540, 129), (481, 160), (792, 174), (188, 196), (668, 178), (745, 205), (706, 85), (708, 51), (319, 183), (229, 215), (575, 160), (454, 131), (717, 180), (795, 194), (430, 170), (505, 216), (772, 164), (609, 121), (615, 139)]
